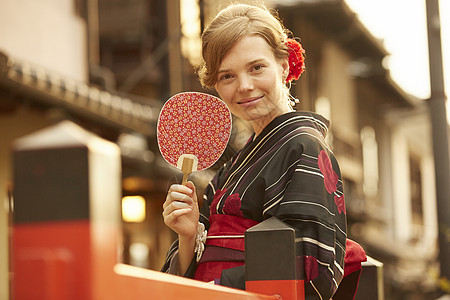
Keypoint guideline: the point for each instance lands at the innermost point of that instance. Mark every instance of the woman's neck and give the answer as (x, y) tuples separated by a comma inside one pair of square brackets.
[(261, 123)]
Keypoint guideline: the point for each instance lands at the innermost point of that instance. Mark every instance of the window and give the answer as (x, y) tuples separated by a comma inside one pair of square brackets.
[(191, 46), (416, 198), (370, 161)]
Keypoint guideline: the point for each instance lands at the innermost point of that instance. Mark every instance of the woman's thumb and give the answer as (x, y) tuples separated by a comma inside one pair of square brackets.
[(191, 185)]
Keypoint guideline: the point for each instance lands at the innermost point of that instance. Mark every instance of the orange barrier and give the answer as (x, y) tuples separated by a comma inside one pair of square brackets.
[(68, 260), (66, 232)]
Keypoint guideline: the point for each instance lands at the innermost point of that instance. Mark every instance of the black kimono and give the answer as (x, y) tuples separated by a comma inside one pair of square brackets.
[(288, 171)]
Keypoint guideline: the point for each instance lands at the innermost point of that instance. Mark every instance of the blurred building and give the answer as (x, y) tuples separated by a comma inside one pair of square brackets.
[(109, 65), (382, 138)]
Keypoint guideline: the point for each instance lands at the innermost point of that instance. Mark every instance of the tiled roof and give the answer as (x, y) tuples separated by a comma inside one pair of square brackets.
[(53, 89)]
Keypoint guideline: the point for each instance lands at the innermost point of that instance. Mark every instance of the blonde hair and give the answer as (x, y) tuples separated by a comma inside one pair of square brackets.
[(228, 27)]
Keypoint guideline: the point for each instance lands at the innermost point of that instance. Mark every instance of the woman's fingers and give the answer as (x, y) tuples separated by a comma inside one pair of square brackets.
[(178, 216), (175, 196), (172, 217), (178, 202), (175, 205), (180, 210), (178, 193), (190, 185), (184, 189)]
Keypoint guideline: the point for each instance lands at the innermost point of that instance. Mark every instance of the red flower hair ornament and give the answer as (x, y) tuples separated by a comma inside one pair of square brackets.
[(296, 59)]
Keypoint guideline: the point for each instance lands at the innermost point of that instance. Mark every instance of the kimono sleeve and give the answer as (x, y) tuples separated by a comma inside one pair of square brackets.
[(313, 203)]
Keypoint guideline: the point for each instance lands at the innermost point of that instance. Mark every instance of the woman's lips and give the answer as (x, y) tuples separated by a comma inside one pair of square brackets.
[(250, 101)]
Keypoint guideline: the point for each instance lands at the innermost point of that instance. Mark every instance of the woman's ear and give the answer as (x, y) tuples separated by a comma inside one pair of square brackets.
[(285, 66)]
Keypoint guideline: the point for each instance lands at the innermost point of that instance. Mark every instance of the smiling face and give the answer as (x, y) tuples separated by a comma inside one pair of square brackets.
[(250, 81)]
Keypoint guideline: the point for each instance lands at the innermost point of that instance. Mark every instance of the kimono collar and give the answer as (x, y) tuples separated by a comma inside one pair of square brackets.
[(318, 122)]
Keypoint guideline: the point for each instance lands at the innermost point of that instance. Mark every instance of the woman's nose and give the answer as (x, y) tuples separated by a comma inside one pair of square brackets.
[(245, 84)]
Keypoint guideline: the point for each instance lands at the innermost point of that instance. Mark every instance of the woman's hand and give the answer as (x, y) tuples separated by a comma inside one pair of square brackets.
[(181, 211), (181, 215)]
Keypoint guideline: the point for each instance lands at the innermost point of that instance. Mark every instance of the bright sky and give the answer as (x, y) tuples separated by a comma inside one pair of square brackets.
[(402, 26)]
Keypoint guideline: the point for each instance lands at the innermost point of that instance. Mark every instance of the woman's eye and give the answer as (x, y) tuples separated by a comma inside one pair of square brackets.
[(225, 77), (257, 67)]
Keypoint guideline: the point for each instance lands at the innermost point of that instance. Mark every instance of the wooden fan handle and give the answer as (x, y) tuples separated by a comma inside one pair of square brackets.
[(186, 168)]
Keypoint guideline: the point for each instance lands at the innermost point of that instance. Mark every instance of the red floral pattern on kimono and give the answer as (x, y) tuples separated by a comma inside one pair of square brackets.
[(233, 205), (330, 178), (311, 268), (340, 203)]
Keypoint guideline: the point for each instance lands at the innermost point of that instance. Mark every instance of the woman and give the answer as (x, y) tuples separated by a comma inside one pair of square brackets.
[(285, 170)]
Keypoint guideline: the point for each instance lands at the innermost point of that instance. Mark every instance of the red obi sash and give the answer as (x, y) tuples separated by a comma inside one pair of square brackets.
[(225, 246), (227, 231)]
